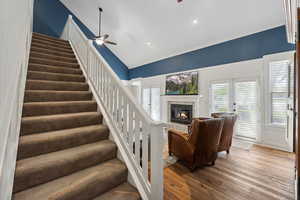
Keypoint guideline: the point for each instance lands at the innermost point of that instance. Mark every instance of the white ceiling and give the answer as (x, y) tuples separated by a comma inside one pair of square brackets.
[(169, 26)]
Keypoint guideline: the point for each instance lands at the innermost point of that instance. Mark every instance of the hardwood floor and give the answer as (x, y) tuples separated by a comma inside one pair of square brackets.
[(258, 174)]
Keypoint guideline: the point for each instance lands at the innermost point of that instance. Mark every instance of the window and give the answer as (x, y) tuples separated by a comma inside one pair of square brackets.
[(151, 102), (220, 97), (279, 87)]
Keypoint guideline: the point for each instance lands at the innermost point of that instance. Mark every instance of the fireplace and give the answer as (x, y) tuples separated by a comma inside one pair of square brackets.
[(181, 113)]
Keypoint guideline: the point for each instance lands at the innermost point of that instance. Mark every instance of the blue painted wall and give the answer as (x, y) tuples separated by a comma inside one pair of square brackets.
[(50, 17), (245, 48)]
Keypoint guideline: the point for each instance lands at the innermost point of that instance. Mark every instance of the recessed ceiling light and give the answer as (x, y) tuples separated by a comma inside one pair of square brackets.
[(148, 43), (195, 21)]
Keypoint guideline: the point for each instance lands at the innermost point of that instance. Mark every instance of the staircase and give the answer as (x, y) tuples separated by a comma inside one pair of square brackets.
[(64, 151)]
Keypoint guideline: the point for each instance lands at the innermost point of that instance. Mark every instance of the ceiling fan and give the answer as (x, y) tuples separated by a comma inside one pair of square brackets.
[(102, 39)]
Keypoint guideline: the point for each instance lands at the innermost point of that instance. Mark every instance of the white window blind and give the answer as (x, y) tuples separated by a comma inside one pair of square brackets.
[(220, 97), (279, 86)]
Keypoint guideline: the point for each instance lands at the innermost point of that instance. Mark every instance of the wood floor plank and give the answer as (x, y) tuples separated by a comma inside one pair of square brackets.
[(259, 174)]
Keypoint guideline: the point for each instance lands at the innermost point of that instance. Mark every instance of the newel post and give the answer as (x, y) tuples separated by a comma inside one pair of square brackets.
[(157, 144)]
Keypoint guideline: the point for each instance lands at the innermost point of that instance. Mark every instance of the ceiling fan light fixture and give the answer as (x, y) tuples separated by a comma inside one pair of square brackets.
[(99, 41)]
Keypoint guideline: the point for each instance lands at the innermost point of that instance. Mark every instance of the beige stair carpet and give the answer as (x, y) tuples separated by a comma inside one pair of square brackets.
[(64, 149)]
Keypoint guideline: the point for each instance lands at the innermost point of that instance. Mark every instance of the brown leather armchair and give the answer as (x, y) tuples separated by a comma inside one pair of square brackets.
[(227, 132), (200, 147)]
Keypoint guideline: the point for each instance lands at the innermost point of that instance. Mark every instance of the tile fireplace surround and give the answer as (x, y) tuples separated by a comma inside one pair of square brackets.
[(167, 101)]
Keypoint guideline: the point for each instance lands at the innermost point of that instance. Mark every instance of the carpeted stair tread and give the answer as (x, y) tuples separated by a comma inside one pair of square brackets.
[(47, 37), (52, 69), (41, 143), (51, 42), (38, 124), (53, 62), (56, 85), (53, 48), (41, 169), (124, 191), (54, 57), (52, 52), (36, 75), (52, 95), (113, 173), (52, 108)]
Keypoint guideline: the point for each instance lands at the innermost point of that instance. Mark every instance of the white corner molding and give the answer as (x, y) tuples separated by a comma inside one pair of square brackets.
[(290, 9)]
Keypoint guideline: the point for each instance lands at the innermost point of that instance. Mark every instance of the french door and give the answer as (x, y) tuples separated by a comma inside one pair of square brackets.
[(240, 97)]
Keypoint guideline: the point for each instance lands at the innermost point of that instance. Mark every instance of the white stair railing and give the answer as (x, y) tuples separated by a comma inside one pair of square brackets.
[(131, 127)]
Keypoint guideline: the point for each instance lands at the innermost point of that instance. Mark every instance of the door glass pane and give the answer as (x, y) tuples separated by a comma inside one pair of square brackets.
[(279, 108), (246, 108), (220, 97), (155, 104), (146, 100), (279, 74)]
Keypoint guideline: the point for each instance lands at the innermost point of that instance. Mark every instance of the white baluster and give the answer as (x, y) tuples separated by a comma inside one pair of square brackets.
[(145, 148), (108, 92), (137, 138), (121, 112), (111, 92), (130, 127), (104, 86), (101, 81), (125, 118), (115, 101)]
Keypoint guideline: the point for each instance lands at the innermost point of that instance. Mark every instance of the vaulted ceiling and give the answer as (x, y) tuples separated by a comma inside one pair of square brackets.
[(150, 30)]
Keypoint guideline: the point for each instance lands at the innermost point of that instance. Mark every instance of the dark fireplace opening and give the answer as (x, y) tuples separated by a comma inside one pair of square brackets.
[(181, 113)]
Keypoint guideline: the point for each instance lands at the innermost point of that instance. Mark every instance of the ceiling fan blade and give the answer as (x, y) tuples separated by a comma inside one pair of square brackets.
[(109, 42), (105, 36)]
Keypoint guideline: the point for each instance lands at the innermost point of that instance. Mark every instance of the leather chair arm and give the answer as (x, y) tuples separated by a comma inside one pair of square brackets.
[(179, 144), (181, 134)]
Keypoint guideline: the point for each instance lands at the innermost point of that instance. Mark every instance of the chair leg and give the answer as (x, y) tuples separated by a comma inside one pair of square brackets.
[(192, 168), (213, 163), (228, 151)]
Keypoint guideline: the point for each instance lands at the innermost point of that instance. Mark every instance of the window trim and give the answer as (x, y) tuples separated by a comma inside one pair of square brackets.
[(267, 93)]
